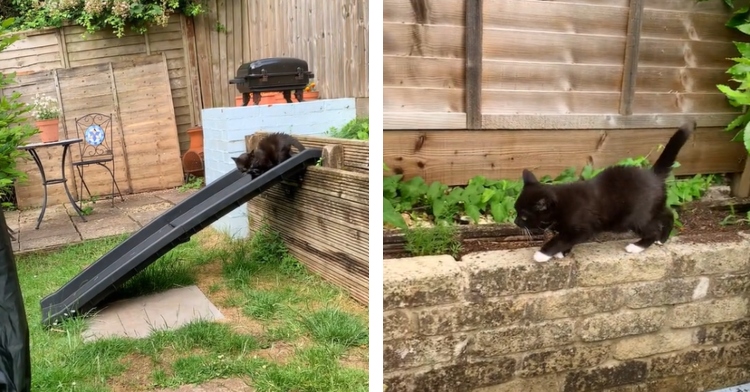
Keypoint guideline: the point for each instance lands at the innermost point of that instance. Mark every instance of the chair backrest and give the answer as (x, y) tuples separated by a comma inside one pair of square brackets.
[(95, 130)]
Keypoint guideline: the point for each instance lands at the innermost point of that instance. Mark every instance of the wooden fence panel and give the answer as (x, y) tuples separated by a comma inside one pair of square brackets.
[(35, 51), (331, 35), (557, 75), (143, 134)]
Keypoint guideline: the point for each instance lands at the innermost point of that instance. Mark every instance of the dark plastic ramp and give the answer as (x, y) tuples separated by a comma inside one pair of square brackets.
[(173, 227)]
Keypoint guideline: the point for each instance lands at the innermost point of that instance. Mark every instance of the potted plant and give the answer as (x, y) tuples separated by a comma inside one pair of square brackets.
[(310, 93), (47, 113)]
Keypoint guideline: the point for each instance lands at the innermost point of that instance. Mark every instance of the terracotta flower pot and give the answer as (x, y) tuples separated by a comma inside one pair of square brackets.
[(49, 130), (265, 99), (310, 95), (196, 138)]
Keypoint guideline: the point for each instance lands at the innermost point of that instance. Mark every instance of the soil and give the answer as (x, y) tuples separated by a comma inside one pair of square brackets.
[(701, 220)]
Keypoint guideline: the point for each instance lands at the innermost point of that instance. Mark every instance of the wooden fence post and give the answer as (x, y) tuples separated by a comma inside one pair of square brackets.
[(632, 50), (333, 156), (474, 64)]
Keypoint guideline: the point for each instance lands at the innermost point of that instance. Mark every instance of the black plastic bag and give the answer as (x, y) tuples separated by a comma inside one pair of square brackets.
[(15, 359)]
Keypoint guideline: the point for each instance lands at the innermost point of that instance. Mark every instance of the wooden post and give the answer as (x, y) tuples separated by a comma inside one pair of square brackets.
[(632, 50), (741, 182), (191, 65), (474, 64), (333, 156), (63, 47), (116, 102)]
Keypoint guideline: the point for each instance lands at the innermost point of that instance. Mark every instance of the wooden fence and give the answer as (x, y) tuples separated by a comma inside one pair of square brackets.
[(331, 35), (69, 47), (136, 93), (325, 225), (491, 87)]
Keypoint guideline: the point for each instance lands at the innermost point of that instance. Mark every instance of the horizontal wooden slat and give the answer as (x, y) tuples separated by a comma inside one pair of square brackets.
[(417, 120), (561, 17), (427, 41), (687, 103), (453, 157), (694, 26), (667, 79), (413, 71), (548, 102), (397, 99), (679, 53), (437, 12), (606, 121)]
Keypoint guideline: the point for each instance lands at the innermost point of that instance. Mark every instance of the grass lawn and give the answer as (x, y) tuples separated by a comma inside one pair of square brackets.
[(286, 330)]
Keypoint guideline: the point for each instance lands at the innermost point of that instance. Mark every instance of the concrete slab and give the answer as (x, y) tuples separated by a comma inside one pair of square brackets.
[(138, 317), (48, 242), (177, 196), (12, 218), (106, 222)]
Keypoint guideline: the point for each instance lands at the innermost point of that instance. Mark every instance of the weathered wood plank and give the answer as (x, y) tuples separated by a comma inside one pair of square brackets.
[(453, 157), (632, 47), (473, 93)]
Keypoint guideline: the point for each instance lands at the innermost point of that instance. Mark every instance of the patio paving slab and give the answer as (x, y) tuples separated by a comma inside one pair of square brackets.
[(62, 225), (138, 317)]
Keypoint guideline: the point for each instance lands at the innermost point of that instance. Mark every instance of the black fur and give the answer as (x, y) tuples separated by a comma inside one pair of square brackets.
[(272, 150), (619, 199)]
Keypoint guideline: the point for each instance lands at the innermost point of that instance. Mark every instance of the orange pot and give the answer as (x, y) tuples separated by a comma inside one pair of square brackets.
[(310, 95), (265, 99), (196, 138), (49, 130)]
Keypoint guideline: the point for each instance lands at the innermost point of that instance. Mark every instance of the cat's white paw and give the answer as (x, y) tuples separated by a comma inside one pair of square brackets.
[(658, 243), (559, 255), (633, 248), (541, 257)]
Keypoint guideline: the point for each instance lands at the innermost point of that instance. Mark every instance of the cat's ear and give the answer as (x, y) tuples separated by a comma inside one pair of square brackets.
[(529, 178), (235, 159)]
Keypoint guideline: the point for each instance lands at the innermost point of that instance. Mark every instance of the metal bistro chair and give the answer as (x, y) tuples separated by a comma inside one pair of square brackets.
[(96, 149)]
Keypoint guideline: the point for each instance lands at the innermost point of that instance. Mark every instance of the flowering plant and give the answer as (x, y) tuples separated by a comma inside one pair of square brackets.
[(44, 108), (310, 86)]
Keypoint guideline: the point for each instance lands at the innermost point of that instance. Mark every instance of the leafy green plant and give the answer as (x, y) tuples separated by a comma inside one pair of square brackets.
[(739, 96), (192, 182), (444, 205), (14, 129), (358, 129), (95, 15)]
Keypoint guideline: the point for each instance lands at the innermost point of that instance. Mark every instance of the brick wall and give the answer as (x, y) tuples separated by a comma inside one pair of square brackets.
[(674, 318), (224, 131)]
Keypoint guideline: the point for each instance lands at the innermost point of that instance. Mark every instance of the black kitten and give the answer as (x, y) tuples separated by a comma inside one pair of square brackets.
[(619, 199), (272, 150)]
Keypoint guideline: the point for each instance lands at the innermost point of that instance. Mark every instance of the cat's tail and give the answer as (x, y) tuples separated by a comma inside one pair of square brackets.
[(293, 141), (663, 165)]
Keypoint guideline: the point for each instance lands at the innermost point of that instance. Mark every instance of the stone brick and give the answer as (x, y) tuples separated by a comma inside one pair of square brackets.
[(445, 319), (462, 376), (615, 325), (646, 345), (692, 259), (421, 281), (408, 353), (490, 343), (562, 359), (729, 285), (630, 372), (548, 383), (507, 272), (575, 302), (734, 331), (698, 360), (643, 387), (661, 292), (605, 264), (708, 312), (710, 380), (398, 324)]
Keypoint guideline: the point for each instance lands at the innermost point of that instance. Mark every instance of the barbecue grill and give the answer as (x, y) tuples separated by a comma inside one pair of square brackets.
[(284, 74)]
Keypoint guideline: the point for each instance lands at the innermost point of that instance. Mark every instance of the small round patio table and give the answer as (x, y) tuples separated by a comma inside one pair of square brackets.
[(31, 148)]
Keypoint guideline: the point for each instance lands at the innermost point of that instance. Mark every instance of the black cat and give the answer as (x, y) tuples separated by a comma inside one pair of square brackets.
[(272, 150), (619, 199)]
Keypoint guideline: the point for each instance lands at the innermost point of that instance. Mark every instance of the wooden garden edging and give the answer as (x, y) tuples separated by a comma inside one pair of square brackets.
[(325, 225)]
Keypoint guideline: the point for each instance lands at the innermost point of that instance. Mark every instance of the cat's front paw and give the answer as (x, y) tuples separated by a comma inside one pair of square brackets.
[(541, 257), (633, 248), (559, 255)]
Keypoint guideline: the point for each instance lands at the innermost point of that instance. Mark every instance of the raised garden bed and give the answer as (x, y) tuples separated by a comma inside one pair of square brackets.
[(703, 221)]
